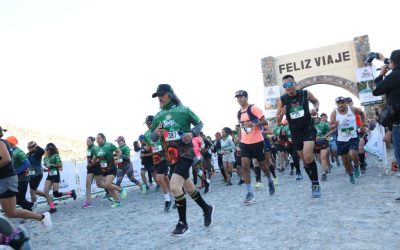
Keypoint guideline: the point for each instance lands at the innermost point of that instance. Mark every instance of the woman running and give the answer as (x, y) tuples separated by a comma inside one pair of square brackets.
[(228, 157)]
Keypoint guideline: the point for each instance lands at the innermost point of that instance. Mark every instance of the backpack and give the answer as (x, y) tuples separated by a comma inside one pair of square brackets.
[(252, 117)]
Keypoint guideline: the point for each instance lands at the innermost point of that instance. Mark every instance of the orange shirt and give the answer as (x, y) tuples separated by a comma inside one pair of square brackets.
[(250, 135)]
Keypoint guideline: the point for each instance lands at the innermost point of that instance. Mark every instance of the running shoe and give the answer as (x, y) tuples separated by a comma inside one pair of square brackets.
[(316, 191), (208, 216), (123, 193), (352, 179), (323, 177), (106, 196), (53, 210), (167, 206), (241, 181), (299, 177), (276, 181), (357, 172), (397, 200), (87, 205), (249, 198), (46, 221), (229, 183), (180, 229), (111, 199), (259, 185), (34, 207), (271, 187), (73, 194), (291, 172), (116, 204), (144, 188)]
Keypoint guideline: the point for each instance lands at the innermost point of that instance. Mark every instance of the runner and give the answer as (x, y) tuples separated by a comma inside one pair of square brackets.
[(217, 149), (228, 153), (93, 172), (104, 155), (35, 155), (197, 170), (294, 105), (21, 165), (251, 119), (343, 118), (332, 150), (172, 125), (266, 132), (147, 161), (53, 164), (9, 189), (159, 163), (208, 168), (321, 145), (125, 165)]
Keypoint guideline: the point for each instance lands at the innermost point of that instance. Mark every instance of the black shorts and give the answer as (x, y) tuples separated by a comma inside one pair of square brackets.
[(267, 145), (182, 167), (256, 150), (298, 137), (111, 170), (162, 168), (95, 170), (34, 181), (149, 167), (54, 178), (344, 147)]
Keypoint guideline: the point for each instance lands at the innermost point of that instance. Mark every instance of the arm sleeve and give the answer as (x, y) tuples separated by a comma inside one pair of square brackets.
[(197, 128), (24, 165)]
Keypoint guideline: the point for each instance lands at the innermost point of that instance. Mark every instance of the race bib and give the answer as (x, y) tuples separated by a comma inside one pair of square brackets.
[(53, 172), (172, 136), (347, 131), (246, 130), (296, 112), (103, 164), (156, 149)]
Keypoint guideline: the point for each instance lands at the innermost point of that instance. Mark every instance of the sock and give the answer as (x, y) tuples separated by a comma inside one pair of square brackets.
[(312, 172), (180, 202), (362, 159), (166, 197), (200, 201), (257, 170), (249, 188), (272, 170), (51, 205)]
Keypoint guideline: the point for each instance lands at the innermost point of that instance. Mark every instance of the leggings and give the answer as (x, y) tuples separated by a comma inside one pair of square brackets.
[(126, 170), (21, 199)]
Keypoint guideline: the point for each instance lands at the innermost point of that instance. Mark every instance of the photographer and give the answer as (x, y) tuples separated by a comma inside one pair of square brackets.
[(390, 86)]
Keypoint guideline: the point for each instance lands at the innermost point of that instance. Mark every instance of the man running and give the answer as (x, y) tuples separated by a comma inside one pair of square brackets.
[(343, 118), (294, 105), (251, 120), (172, 124)]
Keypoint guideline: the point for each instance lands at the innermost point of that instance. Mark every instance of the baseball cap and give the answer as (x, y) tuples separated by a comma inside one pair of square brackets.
[(241, 93), (161, 89), (149, 119), (12, 140), (141, 137), (120, 138)]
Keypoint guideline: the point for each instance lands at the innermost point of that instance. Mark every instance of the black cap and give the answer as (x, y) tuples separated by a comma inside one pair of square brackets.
[(149, 119), (163, 88), (241, 93)]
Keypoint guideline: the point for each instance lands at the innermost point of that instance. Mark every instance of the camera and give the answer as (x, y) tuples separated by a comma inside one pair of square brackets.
[(374, 55)]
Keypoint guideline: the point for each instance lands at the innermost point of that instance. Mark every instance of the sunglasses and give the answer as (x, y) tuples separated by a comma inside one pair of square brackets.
[(340, 99), (288, 84)]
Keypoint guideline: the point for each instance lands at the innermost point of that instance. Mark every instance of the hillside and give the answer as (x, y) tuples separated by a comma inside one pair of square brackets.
[(68, 148)]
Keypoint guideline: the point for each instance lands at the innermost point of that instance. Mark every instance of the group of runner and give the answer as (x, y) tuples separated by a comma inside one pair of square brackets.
[(175, 153)]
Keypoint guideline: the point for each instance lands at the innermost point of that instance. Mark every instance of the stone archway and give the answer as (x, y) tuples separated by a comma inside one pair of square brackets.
[(331, 80)]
